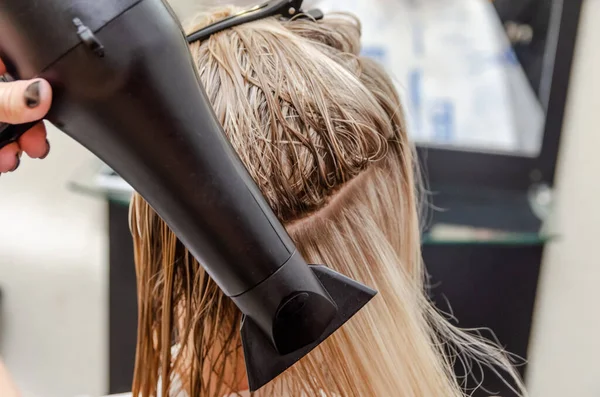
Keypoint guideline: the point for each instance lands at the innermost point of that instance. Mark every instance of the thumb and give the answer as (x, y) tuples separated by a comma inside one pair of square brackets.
[(24, 101)]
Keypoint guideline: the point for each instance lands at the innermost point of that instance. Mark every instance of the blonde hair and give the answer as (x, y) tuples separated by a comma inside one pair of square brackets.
[(321, 131)]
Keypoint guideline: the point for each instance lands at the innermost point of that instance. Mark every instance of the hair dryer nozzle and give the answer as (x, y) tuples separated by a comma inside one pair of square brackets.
[(308, 320)]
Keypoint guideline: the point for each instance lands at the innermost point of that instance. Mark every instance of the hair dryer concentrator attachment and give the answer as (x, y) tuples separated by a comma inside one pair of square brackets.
[(125, 86), (298, 323)]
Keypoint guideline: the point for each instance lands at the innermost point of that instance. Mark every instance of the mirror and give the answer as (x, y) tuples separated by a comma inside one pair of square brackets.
[(462, 84)]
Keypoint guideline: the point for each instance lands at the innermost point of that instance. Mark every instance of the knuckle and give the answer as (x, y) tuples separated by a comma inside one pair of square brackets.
[(10, 108)]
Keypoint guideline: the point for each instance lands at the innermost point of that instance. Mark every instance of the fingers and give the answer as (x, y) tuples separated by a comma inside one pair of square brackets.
[(9, 157), (34, 142), (24, 101)]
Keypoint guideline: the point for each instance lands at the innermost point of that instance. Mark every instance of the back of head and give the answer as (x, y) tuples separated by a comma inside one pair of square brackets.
[(321, 131)]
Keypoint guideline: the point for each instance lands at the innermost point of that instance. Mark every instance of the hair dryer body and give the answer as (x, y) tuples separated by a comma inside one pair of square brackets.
[(126, 88)]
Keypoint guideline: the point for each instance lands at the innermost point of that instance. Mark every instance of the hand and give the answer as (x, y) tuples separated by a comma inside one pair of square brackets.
[(23, 102), (7, 387)]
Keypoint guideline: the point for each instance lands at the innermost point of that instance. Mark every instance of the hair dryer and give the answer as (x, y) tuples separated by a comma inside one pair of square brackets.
[(126, 88)]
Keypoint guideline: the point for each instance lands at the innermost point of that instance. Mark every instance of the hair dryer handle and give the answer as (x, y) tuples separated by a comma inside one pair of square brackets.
[(10, 133)]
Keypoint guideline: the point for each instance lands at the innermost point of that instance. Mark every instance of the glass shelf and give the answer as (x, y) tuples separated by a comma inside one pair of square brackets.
[(100, 181), (462, 235)]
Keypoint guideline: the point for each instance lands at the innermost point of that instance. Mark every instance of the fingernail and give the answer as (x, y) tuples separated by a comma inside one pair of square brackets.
[(32, 94), (16, 165), (47, 150)]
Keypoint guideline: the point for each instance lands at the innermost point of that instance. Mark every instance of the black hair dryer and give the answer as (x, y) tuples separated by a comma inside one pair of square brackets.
[(126, 88)]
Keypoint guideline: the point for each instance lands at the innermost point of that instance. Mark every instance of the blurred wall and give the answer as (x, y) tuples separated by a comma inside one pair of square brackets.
[(565, 345), (187, 9), (53, 275)]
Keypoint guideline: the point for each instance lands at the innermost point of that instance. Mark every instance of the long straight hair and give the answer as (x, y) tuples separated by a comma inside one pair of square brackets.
[(321, 131)]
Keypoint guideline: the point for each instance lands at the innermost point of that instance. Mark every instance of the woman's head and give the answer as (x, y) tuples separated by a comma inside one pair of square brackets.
[(321, 131)]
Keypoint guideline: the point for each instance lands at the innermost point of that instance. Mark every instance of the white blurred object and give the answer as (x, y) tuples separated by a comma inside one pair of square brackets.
[(186, 9), (456, 71)]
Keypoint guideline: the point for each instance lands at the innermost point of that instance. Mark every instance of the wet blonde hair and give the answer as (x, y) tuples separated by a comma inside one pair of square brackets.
[(321, 131)]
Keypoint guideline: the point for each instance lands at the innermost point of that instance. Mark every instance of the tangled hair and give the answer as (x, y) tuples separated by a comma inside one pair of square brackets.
[(321, 131)]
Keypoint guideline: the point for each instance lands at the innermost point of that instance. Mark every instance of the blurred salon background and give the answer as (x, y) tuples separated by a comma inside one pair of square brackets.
[(502, 102)]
